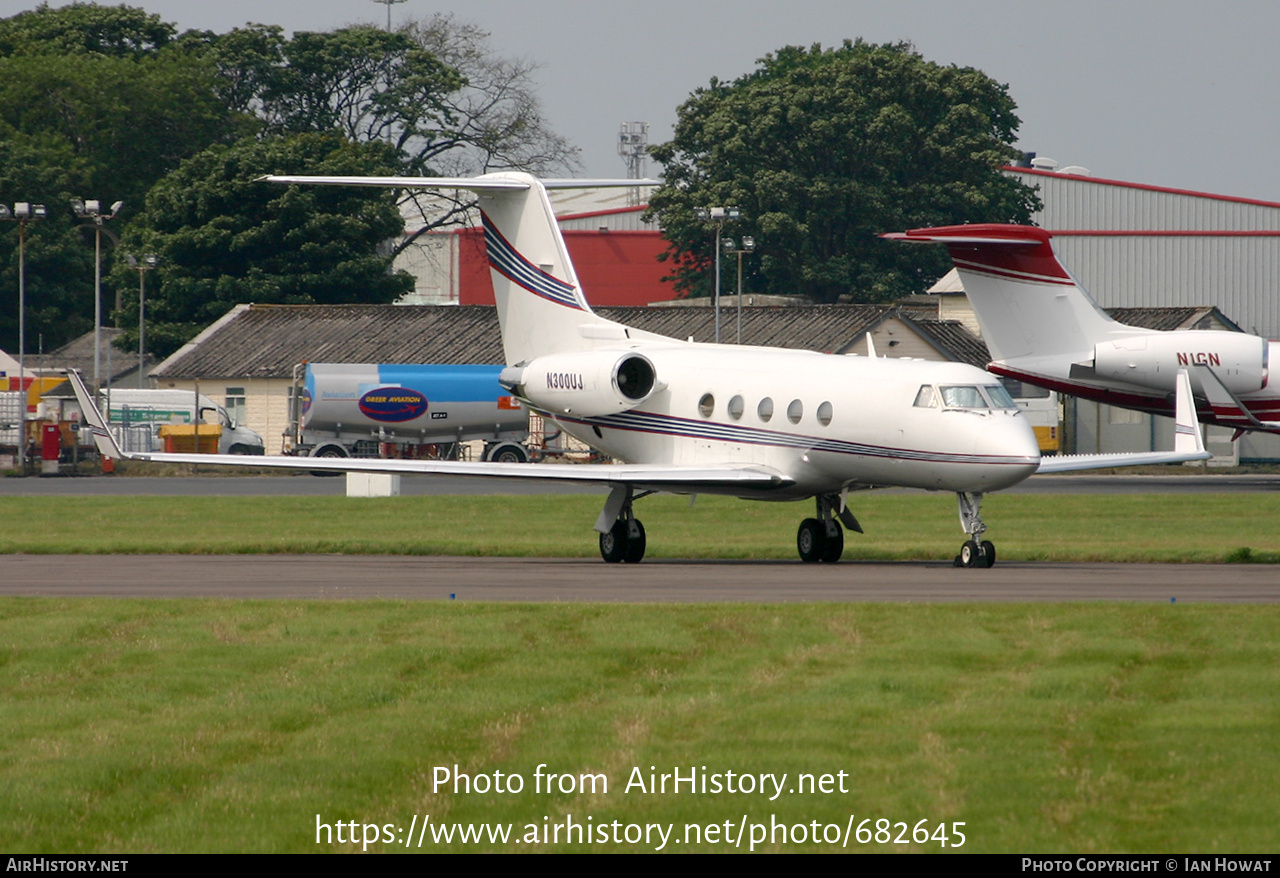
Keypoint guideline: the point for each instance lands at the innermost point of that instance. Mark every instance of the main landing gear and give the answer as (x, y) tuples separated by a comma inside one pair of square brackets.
[(821, 538), (975, 552), (621, 533)]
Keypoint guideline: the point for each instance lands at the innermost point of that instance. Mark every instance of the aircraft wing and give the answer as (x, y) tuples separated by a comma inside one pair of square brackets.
[(656, 477), (1188, 445)]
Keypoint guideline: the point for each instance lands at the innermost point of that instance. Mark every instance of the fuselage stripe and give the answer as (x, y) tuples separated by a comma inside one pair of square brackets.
[(1007, 274), (669, 425)]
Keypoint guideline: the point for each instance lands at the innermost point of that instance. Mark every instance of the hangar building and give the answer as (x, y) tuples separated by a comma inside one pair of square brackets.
[(1143, 247)]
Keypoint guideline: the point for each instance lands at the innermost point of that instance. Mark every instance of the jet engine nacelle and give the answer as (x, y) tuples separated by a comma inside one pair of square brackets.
[(586, 383), (1153, 360)]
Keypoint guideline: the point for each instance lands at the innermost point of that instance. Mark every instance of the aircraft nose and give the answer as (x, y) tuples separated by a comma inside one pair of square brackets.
[(1019, 445)]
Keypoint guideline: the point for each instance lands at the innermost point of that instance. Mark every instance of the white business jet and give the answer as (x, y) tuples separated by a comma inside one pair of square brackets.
[(1041, 326), (751, 422)]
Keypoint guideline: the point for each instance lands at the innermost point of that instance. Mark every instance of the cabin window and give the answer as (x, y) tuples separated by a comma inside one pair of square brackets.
[(1000, 398), (706, 405), (765, 410), (236, 404), (824, 414), (926, 398), (736, 407), (795, 411), (963, 397)]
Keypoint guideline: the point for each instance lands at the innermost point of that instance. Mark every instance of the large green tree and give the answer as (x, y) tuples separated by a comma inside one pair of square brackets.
[(96, 102), (101, 102), (822, 150), (432, 89), (223, 238), (84, 28), (59, 259)]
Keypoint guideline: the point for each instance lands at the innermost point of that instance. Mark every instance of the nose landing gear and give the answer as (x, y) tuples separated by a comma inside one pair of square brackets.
[(975, 552)]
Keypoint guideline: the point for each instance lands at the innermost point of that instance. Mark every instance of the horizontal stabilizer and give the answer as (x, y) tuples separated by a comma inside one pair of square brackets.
[(1026, 302), (1188, 445), (489, 182)]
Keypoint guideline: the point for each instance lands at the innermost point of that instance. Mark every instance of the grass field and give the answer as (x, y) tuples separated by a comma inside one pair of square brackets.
[(197, 725), (1174, 528), (134, 726)]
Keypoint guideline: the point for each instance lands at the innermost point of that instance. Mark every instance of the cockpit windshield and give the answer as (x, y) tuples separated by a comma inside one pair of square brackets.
[(965, 396), (1000, 398)]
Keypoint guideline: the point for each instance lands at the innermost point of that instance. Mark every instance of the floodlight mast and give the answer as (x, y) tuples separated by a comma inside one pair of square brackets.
[(92, 211), (22, 213), (717, 215)]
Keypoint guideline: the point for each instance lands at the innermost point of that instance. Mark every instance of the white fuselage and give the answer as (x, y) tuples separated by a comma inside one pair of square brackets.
[(828, 422)]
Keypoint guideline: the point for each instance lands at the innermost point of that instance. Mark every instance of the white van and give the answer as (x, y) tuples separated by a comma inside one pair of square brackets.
[(136, 417)]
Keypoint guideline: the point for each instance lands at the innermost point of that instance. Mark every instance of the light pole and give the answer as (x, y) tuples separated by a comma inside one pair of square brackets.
[(388, 4), (147, 263), (92, 210), (22, 213), (717, 215), (748, 246)]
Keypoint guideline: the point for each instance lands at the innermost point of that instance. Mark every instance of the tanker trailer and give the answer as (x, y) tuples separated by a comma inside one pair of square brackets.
[(404, 410)]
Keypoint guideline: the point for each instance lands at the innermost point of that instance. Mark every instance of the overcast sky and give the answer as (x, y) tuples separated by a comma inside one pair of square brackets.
[(1174, 93)]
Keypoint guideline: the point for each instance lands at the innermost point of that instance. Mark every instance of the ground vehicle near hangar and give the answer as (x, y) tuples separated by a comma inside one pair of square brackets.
[(139, 416), (412, 411)]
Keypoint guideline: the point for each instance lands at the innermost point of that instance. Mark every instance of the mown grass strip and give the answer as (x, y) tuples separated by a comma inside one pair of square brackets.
[(166, 725), (1150, 528)]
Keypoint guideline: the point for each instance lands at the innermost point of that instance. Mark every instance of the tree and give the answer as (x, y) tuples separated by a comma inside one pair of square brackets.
[(822, 150), (496, 117), (102, 102), (433, 90), (224, 239), (95, 102), (84, 28), (59, 265)]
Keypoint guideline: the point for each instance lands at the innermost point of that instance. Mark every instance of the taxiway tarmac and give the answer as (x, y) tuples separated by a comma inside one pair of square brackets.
[(541, 579), (321, 577)]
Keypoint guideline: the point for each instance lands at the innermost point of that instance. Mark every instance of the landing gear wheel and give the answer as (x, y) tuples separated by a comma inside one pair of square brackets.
[(614, 543), (833, 545), (635, 542), (975, 554), (811, 540), (988, 553)]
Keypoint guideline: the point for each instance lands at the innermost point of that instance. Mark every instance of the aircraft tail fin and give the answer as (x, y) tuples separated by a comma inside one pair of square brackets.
[(541, 306), (1026, 301)]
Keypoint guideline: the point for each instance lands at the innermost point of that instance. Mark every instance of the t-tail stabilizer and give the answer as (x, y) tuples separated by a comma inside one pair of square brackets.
[(541, 306), (1027, 302)]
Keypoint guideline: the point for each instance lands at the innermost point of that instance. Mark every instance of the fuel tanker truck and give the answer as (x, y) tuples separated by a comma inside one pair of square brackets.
[(407, 411)]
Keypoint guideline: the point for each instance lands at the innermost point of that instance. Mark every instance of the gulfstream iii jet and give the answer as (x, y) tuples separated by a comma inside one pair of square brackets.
[(1044, 328), (752, 422)]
